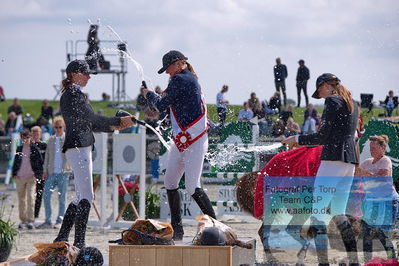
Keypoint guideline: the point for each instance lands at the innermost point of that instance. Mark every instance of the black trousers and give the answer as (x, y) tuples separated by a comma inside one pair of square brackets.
[(281, 85), (301, 85), (39, 195), (222, 112)]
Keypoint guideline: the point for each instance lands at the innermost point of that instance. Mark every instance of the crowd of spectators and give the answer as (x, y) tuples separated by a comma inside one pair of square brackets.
[(17, 120), (273, 120), (31, 166), (275, 116), (268, 112)]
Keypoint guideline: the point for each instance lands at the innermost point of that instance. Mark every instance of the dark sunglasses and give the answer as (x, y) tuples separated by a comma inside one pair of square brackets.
[(58, 127)]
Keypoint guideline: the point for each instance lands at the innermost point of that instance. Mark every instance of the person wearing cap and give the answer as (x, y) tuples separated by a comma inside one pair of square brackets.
[(338, 158), (302, 78), (184, 98), (280, 74), (221, 104), (81, 122)]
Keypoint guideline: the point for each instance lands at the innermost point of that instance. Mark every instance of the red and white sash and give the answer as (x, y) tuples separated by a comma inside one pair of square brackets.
[(184, 137)]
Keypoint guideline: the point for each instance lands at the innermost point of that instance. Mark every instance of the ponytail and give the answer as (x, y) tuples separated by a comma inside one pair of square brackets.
[(66, 82), (345, 94), (191, 69)]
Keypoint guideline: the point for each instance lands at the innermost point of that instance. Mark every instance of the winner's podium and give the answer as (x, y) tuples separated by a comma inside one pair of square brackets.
[(183, 253)]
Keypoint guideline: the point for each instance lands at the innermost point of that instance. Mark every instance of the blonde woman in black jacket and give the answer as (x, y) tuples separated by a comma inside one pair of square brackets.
[(338, 158), (81, 122)]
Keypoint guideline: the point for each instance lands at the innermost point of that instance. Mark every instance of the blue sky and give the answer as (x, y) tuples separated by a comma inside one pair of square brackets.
[(228, 42)]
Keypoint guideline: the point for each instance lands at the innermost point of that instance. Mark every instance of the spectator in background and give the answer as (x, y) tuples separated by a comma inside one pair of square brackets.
[(158, 90), (2, 126), (275, 102), (47, 110), (310, 120), (15, 107), (391, 102), (105, 97), (379, 209), (267, 110), (151, 117), (221, 104), (280, 74), (37, 140), (2, 95), (55, 173), (302, 78), (360, 123), (253, 101), (45, 126), (278, 128), (27, 167), (262, 122), (29, 121), (11, 124), (284, 115), (245, 114), (292, 128), (141, 101)]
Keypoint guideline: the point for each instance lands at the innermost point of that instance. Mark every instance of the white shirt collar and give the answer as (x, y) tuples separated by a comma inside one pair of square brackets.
[(77, 86)]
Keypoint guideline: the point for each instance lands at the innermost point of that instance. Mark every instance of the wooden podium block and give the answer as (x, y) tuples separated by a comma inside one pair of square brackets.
[(182, 254)]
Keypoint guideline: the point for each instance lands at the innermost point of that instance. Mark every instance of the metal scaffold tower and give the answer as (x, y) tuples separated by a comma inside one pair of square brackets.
[(116, 66)]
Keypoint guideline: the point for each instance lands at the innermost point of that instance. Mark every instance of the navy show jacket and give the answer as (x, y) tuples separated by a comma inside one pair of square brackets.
[(183, 95), (337, 132), (80, 119)]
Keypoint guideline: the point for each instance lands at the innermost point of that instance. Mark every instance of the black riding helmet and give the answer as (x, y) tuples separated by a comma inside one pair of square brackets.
[(321, 79), (89, 256), (79, 66), (169, 58), (213, 236)]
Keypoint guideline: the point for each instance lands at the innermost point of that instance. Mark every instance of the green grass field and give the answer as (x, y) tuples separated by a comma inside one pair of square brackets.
[(34, 108)]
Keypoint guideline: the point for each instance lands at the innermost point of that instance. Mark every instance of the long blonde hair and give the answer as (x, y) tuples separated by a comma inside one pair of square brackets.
[(190, 68), (344, 93)]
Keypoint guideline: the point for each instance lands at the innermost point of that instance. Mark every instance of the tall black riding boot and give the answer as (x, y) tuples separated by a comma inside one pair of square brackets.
[(203, 202), (349, 238), (82, 215), (67, 223), (321, 243), (175, 213), (321, 240)]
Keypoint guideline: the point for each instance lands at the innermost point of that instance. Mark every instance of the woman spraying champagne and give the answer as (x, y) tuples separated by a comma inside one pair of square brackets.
[(183, 97), (81, 122)]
